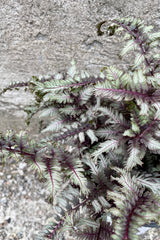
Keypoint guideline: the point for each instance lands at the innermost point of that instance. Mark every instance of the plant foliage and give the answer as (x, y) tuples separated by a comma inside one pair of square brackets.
[(102, 138)]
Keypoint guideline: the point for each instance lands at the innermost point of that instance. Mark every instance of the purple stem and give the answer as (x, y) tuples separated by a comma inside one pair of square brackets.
[(138, 41)]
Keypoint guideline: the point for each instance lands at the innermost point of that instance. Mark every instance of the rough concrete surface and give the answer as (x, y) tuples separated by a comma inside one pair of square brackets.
[(41, 37)]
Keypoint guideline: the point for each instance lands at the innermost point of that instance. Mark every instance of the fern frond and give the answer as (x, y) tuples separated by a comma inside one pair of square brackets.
[(128, 47), (132, 202), (14, 85), (91, 135), (101, 231), (151, 143), (70, 110), (60, 98), (116, 117), (136, 154), (52, 172), (63, 209), (105, 147), (119, 94), (85, 94), (20, 144), (154, 36), (17, 85), (73, 168), (60, 85), (55, 125), (113, 73), (97, 172), (106, 132), (73, 131), (138, 60), (150, 182)]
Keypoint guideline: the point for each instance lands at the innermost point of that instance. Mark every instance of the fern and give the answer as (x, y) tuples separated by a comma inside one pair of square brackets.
[(101, 141), (132, 202)]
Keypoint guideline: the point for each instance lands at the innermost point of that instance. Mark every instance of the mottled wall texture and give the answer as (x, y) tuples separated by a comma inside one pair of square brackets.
[(41, 37)]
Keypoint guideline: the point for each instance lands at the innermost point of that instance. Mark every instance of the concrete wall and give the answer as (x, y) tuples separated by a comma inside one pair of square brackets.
[(40, 37)]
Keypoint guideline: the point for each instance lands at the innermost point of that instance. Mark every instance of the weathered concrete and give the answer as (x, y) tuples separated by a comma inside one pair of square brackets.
[(40, 37)]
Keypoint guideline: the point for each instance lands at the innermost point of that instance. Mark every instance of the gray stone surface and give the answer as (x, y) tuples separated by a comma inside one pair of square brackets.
[(41, 37)]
